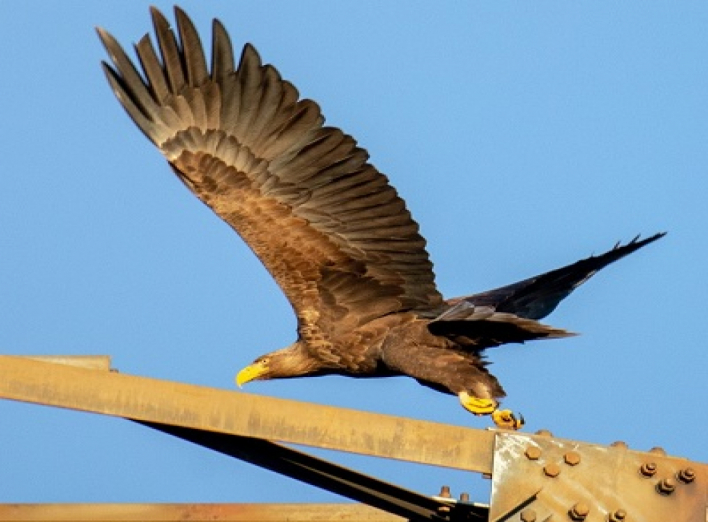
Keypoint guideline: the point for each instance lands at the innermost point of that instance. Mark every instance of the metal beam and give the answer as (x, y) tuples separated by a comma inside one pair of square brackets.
[(238, 413), (193, 513), (539, 477), (91, 362), (331, 477)]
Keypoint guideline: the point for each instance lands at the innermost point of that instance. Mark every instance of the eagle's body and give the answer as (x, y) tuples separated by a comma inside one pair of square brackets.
[(325, 223)]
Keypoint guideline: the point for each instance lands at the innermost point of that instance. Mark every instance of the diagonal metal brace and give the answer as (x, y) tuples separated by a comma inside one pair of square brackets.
[(328, 476)]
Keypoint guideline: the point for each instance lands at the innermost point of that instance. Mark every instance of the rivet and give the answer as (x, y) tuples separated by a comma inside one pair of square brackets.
[(544, 433), (619, 444), (465, 497), (579, 511), (686, 476), (657, 450), (648, 469), (533, 452), (666, 486), (551, 470), (572, 458), (617, 516), (528, 515)]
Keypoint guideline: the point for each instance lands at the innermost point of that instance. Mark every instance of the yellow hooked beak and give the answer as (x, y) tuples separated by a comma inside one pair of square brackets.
[(250, 373)]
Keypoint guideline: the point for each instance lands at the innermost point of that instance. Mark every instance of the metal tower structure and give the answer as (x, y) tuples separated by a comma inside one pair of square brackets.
[(535, 477)]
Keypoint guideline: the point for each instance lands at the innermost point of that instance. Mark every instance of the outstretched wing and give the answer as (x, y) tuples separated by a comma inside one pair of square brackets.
[(325, 223), (536, 297), (510, 314)]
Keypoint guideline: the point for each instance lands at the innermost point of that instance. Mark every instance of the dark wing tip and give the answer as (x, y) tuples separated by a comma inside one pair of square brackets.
[(158, 17), (636, 243), (538, 296)]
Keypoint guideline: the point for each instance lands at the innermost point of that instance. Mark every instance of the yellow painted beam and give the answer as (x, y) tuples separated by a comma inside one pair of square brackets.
[(193, 513), (91, 362), (245, 414)]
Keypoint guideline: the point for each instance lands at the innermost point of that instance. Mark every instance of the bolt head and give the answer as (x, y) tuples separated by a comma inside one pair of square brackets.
[(619, 444), (579, 511), (666, 486), (617, 516), (657, 450), (544, 433), (572, 458), (551, 470), (648, 469), (528, 515), (533, 452), (687, 475)]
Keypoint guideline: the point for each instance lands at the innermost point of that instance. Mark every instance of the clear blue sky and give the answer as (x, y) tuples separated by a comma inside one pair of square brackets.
[(524, 136)]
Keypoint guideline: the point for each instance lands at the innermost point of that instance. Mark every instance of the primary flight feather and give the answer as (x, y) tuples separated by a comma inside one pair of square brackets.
[(328, 226)]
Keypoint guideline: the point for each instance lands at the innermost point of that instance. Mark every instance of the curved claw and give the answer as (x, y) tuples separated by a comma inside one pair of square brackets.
[(506, 419)]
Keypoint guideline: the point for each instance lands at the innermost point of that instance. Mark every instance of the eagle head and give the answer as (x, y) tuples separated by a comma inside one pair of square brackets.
[(293, 361)]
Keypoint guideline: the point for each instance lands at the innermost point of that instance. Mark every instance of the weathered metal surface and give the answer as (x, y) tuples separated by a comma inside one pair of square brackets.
[(537, 477), (244, 414), (91, 362), (326, 475), (193, 513)]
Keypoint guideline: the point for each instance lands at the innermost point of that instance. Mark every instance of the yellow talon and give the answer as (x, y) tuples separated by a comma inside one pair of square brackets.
[(507, 420), (504, 419), (477, 405)]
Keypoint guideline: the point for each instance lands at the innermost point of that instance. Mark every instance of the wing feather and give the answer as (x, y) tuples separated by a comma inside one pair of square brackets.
[(150, 64), (326, 224)]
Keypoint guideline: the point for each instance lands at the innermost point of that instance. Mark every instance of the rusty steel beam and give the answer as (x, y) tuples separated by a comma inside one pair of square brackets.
[(238, 413), (193, 513)]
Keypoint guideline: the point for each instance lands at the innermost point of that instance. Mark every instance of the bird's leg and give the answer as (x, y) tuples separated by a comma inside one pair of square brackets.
[(480, 406)]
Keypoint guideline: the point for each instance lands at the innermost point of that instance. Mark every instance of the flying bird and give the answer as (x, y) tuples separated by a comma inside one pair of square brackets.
[(328, 226)]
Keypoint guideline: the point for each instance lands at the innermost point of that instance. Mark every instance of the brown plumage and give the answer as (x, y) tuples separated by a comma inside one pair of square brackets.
[(326, 224)]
